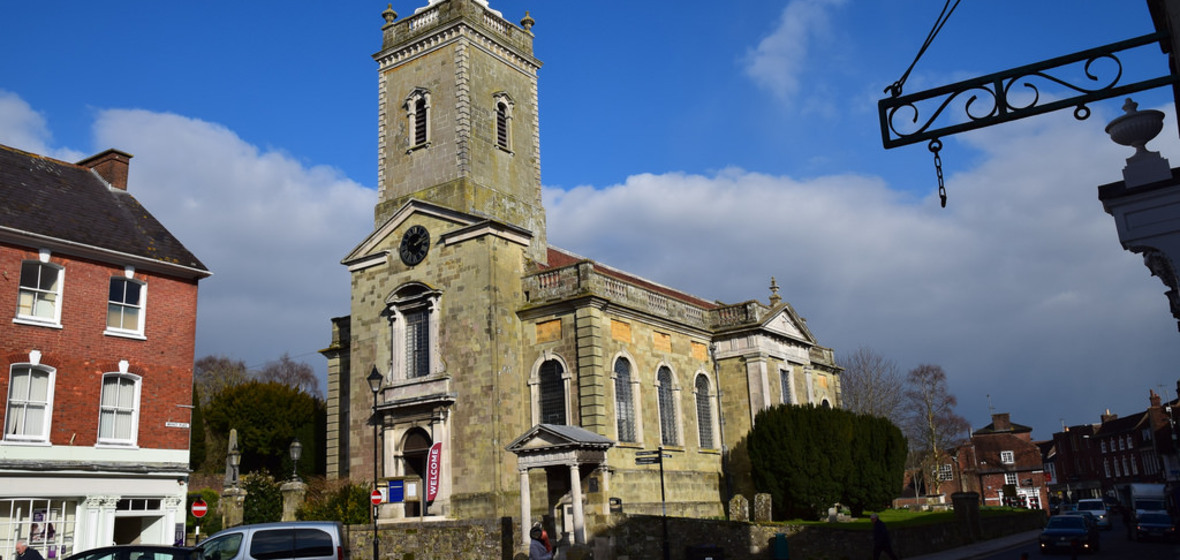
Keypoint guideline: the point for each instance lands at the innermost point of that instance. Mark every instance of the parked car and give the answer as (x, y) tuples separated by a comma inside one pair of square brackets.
[(136, 552), (303, 540), (1098, 507), (1152, 525), (1069, 533)]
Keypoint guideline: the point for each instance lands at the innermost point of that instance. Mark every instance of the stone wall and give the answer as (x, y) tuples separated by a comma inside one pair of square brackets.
[(635, 537)]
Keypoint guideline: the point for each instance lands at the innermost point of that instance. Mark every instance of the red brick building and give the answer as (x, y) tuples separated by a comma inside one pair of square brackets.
[(99, 303), (1005, 457)]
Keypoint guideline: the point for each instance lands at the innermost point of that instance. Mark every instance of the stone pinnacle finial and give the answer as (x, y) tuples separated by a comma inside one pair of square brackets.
[(774, 297), (528, 22), (389, 14)]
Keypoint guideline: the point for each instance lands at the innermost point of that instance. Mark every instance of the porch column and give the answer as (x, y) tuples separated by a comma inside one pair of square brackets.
[(526, 509), (576, 497)]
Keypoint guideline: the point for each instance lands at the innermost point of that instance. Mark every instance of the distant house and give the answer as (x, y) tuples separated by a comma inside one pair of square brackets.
[(96, 357), (1007, 465)]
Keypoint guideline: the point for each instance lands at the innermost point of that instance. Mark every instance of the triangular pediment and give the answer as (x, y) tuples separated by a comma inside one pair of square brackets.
[(554, 436), (786, 323), (372, 243)]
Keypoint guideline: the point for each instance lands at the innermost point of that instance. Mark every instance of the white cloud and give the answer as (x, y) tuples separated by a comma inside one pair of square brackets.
[(1019, 288), (780, 58), (272, 230), (25, 129)]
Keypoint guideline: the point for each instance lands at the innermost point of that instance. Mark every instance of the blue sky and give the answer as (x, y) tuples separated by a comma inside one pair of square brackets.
[(702, 145)]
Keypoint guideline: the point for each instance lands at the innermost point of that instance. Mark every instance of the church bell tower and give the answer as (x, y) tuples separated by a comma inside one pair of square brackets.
[(458, 115)]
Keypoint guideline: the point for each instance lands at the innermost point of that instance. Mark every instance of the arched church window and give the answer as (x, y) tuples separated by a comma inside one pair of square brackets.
[(624, 401), (413, 315), (504, 106), (704, 413), (667, 402), (784, 379), (417, 108), (552, 393)]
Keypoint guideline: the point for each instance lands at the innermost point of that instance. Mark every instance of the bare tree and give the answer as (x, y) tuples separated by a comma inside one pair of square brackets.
[(871, 384), (932, 425), (214, 374), (293, 374)]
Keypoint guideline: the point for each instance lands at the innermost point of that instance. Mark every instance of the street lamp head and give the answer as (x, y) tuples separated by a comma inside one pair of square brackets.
[(375, 378), (235, 456), (296, 451)]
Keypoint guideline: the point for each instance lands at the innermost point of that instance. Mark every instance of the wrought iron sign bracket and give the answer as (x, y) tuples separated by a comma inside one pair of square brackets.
[(972, 95)]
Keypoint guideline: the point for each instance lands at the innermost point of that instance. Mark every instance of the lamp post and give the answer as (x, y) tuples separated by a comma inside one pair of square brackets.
[(296, 451), (375, 380)]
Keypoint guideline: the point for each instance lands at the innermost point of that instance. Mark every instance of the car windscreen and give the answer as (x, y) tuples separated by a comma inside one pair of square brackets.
[(1092, 506), (1157, 518)]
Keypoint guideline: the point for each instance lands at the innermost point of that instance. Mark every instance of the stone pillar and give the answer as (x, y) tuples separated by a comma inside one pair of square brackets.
[(293, 495), (967, 514), (576, 498), (232, 505), (526, 509)]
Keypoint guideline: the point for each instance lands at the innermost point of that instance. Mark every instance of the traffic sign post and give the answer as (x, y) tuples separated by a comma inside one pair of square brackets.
[(376, 497), (199, 508), (657, 458)]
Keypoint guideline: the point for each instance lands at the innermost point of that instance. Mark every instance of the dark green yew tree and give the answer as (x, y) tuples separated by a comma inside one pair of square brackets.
[(809, 458)]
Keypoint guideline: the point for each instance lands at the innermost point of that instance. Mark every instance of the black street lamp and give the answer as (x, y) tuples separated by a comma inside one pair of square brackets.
[(296, 451), (375, 380)]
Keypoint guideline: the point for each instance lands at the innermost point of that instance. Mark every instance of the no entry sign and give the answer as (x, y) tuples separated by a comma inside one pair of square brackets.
[(199, 508), (376, 497)]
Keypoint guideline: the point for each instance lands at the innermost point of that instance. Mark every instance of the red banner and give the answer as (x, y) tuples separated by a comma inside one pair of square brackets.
[(432, 467)]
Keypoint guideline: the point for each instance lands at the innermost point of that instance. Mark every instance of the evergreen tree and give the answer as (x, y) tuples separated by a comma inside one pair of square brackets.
[(268, 417)]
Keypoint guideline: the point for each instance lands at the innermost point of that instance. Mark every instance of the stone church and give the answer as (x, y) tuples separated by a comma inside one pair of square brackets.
[(505, 377)]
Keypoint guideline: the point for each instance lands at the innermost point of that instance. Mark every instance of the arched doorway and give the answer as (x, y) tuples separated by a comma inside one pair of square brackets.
[(415, 448)]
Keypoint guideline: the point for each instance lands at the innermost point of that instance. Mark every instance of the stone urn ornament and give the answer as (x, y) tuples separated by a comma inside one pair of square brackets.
[(1136, 128)]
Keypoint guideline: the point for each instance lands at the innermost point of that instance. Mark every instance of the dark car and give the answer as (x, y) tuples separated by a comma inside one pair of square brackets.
[(1069, 533), (136, 552), (1157, 526)]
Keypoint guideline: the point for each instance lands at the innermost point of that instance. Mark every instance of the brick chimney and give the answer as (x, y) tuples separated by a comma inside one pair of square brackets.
[(1001, 422), (1108, 416), (1154, 398), (111, 165)]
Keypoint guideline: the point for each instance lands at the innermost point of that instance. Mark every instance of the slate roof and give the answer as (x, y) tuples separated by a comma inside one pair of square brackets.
[(560, 257), (1026, 455), (41, 197)]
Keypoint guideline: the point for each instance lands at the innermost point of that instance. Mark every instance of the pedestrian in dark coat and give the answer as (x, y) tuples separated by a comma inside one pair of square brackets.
[(537, 548), (23, 552), (881, 542)]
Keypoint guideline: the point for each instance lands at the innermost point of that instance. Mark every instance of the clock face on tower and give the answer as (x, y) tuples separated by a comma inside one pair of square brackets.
[(415, 243)]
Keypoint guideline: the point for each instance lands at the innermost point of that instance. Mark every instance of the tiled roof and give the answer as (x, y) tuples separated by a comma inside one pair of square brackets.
[(44, 197), (1026, 455), (559, 258)]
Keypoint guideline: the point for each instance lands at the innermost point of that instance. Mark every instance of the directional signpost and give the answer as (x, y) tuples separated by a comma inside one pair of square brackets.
[(654, 458)]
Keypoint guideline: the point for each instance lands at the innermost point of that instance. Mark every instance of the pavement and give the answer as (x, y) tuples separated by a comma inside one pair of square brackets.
[(982, 548)]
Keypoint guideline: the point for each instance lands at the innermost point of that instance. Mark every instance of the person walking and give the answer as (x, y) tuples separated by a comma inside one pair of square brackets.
[(537, 548), (881, 541), (23, 552)]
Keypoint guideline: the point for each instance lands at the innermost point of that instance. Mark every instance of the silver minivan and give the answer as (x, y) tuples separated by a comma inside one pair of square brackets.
[(302, 540), (1097, 507)]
